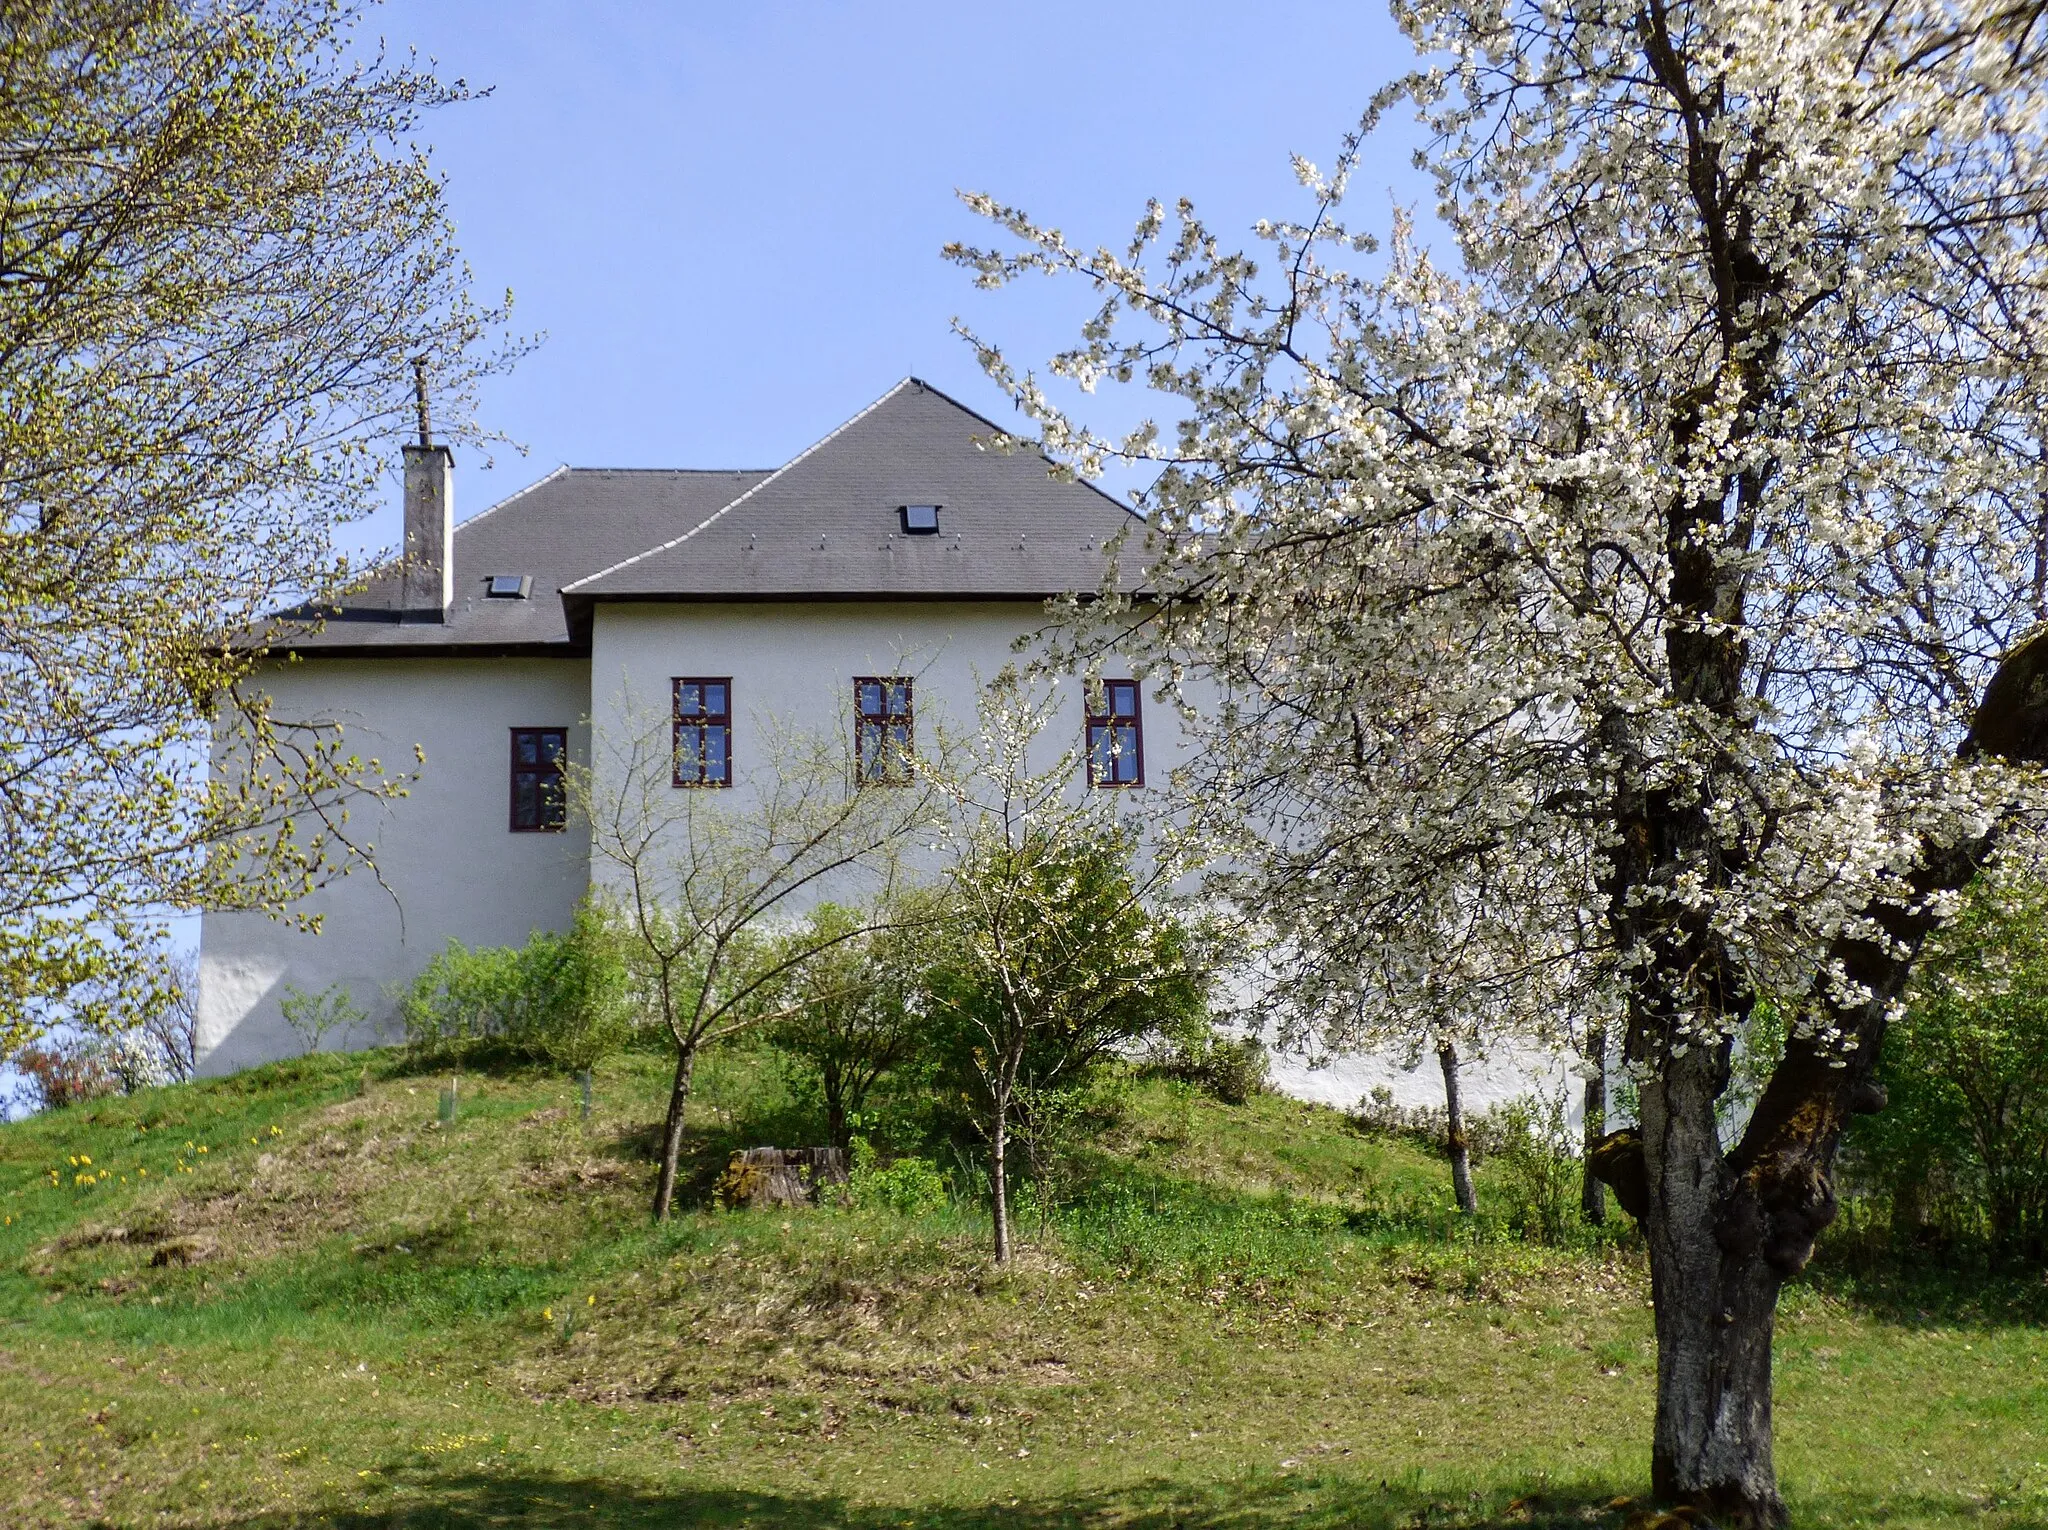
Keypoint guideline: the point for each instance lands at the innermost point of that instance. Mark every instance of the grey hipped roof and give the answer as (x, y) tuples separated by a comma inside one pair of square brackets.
[(826, 526), (557, 530)]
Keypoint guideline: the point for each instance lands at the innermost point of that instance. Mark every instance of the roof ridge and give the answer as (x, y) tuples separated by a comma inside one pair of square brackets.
[(559, 469), (725, 472), (387, 561), (972, 412), (674, 542)]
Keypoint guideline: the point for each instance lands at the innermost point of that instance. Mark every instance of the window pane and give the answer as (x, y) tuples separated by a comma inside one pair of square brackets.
[(899, 698), (870, 692), (687, 700), (551, 748), (1126, 754), (1123, 699), (689, 750), (554, 806), (529, 748), (525, 803), (714, 753), (1098, 753), (714, 700)]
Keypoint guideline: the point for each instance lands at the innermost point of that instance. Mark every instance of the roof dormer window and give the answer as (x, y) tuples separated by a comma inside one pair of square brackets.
[(920, 520), (508, 586)]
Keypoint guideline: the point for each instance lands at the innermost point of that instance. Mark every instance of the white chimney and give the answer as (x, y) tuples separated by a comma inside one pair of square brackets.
[(429, 557)]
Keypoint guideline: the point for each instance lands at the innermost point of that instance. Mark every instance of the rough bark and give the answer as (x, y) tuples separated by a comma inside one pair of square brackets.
[(834, 1082), (1593, 1194), (1457, 1146), (1727, 1228), (1712, 1442), (672, 1132)]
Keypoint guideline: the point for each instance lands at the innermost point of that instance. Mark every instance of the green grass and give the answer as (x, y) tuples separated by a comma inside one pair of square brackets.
[(1250, 1317)]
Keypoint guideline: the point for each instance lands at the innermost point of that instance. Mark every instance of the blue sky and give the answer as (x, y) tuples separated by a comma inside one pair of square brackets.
[(728, 219)]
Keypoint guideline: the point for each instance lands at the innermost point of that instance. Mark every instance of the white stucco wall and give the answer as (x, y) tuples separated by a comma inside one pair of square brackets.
[(454, 870), (451, 867), (792, 667), (1504, 1073)]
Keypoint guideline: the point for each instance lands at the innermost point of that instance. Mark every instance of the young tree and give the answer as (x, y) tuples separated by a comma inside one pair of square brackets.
[(221, 260), (853, 1010), (1701, 509), (709, 881), (1058, 947)]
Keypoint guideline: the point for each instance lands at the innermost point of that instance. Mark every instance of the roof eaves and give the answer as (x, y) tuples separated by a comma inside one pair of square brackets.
[(674, 542)]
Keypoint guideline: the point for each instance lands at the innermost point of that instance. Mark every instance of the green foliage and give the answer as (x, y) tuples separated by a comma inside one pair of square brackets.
[(580, 988), (1230, 1069), (560, 999), (314, 1017), (1057, 956), (911, 1187), (1961, 1148), (223, 251), (1537, 1172), (853, 1011)]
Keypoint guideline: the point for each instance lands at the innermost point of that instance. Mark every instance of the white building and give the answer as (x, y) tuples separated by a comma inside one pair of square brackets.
[(900, 548), (889, 568)]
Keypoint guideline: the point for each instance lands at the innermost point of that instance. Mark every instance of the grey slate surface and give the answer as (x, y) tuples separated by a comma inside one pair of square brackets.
[(823, 527), (827, 524), (573, 521)]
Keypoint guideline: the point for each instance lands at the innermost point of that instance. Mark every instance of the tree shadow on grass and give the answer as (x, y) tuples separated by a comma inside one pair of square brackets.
[(1920, 1287), (475, 1500)]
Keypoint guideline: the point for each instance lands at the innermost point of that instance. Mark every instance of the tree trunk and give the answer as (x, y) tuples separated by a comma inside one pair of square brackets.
[(835, 1108), (1457, 1147), (672, 1132), (1592, 1193), (998, 1180), (1714, 1294)]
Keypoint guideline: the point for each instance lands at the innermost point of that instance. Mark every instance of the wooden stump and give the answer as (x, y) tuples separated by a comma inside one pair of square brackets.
[(767, 1176)]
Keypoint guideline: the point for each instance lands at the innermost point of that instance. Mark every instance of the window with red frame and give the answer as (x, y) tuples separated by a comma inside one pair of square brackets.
[(703, 731), (884, 729), (539, 803), (1116, 734)]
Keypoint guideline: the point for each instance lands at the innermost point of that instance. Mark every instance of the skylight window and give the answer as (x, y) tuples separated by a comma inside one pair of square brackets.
[(508, 586), (920, 520)]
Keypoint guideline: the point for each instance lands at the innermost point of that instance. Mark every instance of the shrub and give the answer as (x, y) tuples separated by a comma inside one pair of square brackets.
[(578, 989), (560, 999), (910, 1187), (1230, 1069), (1538, 1174), (60, 1075), (1426, 1125), (314, 1016), (1961, 1149), (853, 1018)]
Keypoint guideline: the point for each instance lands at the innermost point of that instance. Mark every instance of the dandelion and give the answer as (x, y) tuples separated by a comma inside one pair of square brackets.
[(547, 1314), (202, 1148), (591, 1303)]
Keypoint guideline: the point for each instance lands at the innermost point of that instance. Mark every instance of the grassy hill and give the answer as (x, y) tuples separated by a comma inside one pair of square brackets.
[(297, 1297)]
